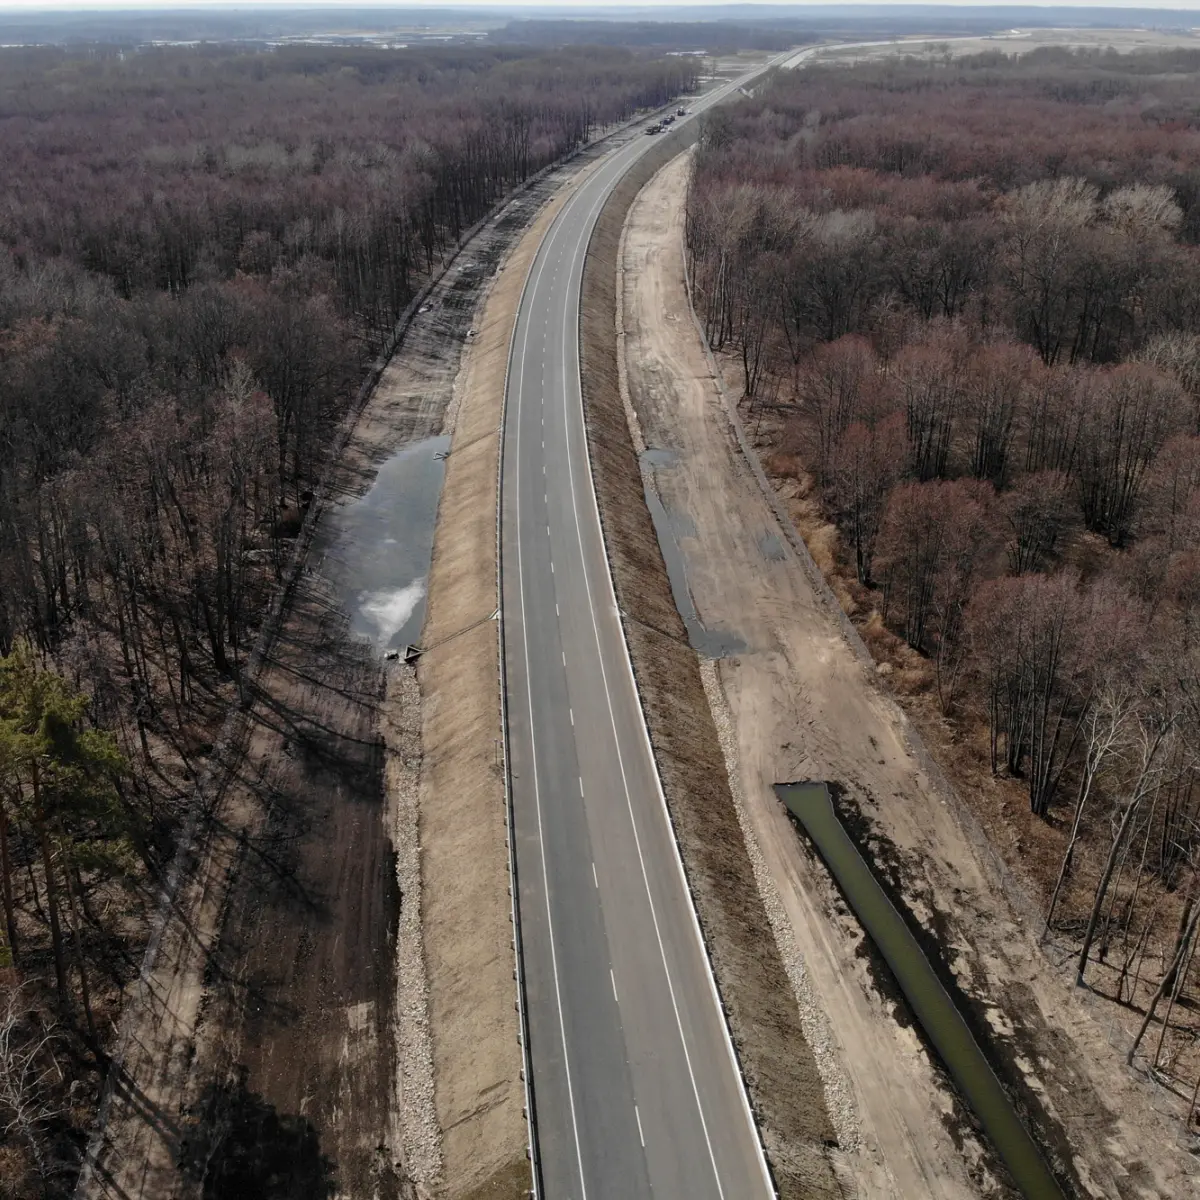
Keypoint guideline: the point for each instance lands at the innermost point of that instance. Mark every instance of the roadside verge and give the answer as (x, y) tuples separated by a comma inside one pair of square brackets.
[(778, 1065), (478, 1089)]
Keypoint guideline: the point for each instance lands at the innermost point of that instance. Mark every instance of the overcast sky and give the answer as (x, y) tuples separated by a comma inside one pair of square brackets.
[(76, 5)]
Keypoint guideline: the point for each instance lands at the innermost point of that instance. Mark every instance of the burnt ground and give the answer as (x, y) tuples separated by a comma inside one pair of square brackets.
[(300, 987)]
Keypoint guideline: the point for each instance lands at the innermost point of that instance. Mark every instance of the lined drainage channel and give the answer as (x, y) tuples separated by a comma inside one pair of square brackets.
[(943, 1024), (712, 643)]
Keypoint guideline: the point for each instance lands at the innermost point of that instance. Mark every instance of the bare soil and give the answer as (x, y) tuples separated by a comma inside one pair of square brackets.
[(776, 1060), (805, 702)]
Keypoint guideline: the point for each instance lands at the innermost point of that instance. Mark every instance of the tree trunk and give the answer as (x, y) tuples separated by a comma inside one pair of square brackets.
[(1162, 987), (1102, 888), (84, 990), (6, 891), (60, 962)]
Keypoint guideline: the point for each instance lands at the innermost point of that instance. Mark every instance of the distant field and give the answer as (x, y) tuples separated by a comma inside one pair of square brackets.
[(1015, 42)]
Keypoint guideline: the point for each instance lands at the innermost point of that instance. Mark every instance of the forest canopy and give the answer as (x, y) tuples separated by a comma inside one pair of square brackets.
[(202, 253), (962, 300)]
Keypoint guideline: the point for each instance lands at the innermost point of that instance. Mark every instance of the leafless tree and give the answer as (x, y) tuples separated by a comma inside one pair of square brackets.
[(29, 1072)]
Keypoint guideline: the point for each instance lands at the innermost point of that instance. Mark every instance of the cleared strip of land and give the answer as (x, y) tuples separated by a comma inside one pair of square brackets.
[(803, 701)]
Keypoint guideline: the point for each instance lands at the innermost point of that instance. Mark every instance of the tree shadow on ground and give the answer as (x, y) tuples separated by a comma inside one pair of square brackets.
[(240, 1148)]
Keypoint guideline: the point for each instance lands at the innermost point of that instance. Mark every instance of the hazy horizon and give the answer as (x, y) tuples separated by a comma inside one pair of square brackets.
[(35, 6)]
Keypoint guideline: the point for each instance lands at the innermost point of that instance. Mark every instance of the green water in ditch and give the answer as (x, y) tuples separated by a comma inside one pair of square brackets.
[(942, 1022)]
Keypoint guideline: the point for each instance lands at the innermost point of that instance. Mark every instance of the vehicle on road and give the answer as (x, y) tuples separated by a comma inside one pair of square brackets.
[(654, 129), (681, 112)]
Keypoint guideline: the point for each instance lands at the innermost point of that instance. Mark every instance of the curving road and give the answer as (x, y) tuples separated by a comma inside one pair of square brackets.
[(635, 1088)]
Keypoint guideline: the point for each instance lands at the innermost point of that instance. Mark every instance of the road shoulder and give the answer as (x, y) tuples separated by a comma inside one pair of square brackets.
[(468, 934)]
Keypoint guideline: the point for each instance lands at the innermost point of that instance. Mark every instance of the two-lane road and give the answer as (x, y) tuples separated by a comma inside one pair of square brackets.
[(635, 1085)]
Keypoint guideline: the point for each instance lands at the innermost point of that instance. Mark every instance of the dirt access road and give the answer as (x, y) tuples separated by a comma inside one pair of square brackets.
[(799, 702)]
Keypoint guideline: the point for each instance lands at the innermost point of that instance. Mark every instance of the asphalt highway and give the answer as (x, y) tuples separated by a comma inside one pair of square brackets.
[(635, 1087)]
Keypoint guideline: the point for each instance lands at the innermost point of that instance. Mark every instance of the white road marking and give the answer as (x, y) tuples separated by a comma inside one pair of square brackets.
[(621, 764), (594, 879), (572, 712), (619, 160), (614, 983), (564, 654), (537, 794)]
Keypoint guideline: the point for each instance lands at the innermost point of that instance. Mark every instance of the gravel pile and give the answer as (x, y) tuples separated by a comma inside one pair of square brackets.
[(420, 1136), (838, 1095)]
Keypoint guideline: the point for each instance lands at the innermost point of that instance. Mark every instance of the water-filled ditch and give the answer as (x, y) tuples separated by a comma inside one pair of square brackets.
[(376, 549), (940, 1019)]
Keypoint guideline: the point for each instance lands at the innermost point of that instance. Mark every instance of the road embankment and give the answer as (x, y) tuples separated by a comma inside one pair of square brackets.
[(778, 1065), (478, 1089)]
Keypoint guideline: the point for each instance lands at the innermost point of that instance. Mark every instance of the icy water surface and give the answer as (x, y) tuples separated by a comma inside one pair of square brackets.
[(376, 549)]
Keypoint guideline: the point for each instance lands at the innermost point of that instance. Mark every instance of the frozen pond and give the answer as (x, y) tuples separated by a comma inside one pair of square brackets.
[(376, 550)]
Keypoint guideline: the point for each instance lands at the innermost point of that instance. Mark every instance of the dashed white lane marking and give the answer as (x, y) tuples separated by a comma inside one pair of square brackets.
[(581, 785), (572, 712), (552, 566), (614, 983), (595, 880), (641, 1135), (547, 530), (564, 656), (556, 612)]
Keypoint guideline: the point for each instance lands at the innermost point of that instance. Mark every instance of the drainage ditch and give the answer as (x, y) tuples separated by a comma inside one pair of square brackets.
[(943, 1024)]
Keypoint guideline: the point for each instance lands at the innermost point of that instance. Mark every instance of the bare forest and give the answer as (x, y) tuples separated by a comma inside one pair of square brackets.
[(202, 251), (961, 299)]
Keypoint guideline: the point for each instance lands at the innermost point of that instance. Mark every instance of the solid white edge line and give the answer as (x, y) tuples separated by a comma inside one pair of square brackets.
[(509, 811), (578, 260), (533, 740)]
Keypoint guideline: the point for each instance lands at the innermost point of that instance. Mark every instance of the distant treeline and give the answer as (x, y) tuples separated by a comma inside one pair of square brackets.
[(714, 37)]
